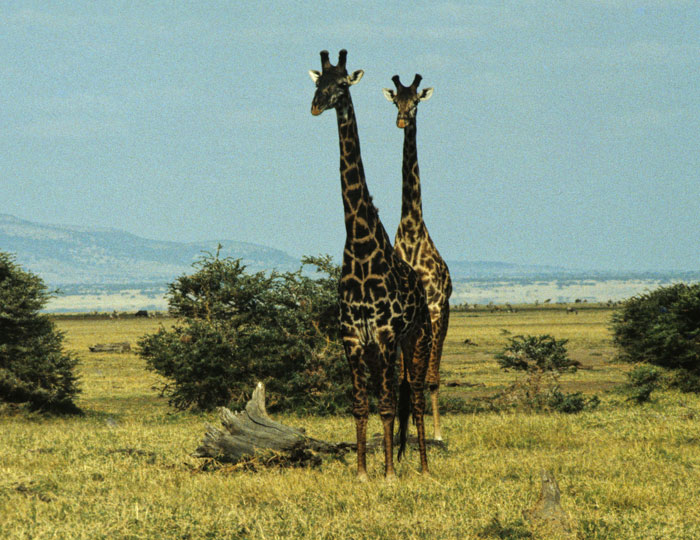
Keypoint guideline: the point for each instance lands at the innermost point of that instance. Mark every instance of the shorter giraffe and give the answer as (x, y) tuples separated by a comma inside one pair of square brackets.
[(412, 240), (383, 310)]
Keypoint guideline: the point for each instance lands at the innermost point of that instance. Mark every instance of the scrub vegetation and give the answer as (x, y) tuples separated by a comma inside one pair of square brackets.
[(123, 469)]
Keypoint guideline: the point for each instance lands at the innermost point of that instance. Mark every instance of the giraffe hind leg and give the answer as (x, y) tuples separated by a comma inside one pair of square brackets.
[(404, 411)]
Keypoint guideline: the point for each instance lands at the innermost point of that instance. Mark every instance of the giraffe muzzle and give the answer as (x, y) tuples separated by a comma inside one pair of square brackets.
[(316, 110), (401, 123)]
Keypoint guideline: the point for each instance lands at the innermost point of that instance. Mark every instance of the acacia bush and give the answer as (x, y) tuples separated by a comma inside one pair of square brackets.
[(234, 329), (661, 327), (34, 368), (543, 359)]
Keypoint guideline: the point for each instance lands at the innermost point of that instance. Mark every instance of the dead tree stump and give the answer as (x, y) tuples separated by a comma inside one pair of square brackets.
[(547, 518), (252, 434), (252, 437)]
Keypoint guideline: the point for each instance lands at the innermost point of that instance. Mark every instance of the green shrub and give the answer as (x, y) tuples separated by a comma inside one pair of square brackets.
[(34, 369), (543, 359), (536, 354), (684, 380), (642, 381), (661, 327), (234, 329), (571, 403)]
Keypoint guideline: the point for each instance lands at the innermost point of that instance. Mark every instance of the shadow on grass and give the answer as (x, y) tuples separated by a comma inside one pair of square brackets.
[(516, 530)]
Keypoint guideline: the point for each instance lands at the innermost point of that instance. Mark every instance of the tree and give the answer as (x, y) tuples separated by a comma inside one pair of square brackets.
[(234, 329), (543, 359), (34, 368), (536, 354), (661, 327)]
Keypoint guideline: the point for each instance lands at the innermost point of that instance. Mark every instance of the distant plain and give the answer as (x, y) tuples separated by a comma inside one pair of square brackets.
[(520, 291)]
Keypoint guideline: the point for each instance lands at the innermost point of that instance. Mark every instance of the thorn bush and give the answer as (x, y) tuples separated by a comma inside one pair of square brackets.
[(234, 329)]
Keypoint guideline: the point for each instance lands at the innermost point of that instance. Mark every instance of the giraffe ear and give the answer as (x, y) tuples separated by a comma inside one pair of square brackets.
[(389, 94), (355, 77), (314, 75), (425, 94)]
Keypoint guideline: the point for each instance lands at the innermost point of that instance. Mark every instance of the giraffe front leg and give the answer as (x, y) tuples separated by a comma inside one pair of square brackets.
[(439, 328), (361, 434), (421, 358), (387, 406), (360, 406)]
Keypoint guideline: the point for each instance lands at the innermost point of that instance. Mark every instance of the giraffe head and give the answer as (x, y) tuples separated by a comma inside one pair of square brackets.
[(332, 84), (406, 99)]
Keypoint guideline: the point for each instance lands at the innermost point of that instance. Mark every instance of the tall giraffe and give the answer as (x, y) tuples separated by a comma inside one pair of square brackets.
[(412, 240), (383, 309)]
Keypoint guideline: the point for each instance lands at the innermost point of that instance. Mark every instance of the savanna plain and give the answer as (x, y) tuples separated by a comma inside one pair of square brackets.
[(123, 470)]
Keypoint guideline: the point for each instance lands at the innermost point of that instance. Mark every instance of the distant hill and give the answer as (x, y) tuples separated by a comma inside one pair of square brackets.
[(65, 255), (79, 259)]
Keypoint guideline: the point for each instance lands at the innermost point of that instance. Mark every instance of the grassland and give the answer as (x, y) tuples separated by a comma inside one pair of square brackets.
[(123, 470)]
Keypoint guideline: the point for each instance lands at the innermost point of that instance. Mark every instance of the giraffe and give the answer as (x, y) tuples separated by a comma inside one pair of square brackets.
[(412, 240), (383, 311)]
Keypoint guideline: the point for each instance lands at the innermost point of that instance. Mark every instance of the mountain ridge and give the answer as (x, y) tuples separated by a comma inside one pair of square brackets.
[(65, 254), (68, 255)]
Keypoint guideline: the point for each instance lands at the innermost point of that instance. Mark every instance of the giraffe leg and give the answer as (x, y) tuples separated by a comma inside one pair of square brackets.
[(361, 433), (360, 407), (387, 405), (437, 432), (419, 367), (439, 328)]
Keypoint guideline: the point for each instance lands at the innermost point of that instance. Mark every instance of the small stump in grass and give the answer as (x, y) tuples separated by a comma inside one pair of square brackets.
[(547, 518)]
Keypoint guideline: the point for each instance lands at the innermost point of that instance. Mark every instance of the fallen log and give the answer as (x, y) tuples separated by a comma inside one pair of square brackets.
[(252, 437), (122, 347), (252, 434)]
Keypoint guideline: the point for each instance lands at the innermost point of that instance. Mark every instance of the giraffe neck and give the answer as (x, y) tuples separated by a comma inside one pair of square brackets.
[(362, 223), (411, 205)]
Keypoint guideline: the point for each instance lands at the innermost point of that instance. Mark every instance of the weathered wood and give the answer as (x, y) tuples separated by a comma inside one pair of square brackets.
[(252, 433), (252, 436), (111, 347)]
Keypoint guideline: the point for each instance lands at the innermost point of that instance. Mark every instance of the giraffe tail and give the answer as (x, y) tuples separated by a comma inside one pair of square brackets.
[(404, 413)]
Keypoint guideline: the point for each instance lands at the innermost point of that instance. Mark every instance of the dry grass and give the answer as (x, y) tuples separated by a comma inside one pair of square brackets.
[(123, 470)]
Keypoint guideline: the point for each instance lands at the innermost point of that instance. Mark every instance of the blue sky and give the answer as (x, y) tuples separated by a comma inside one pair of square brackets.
[(563, 133)]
